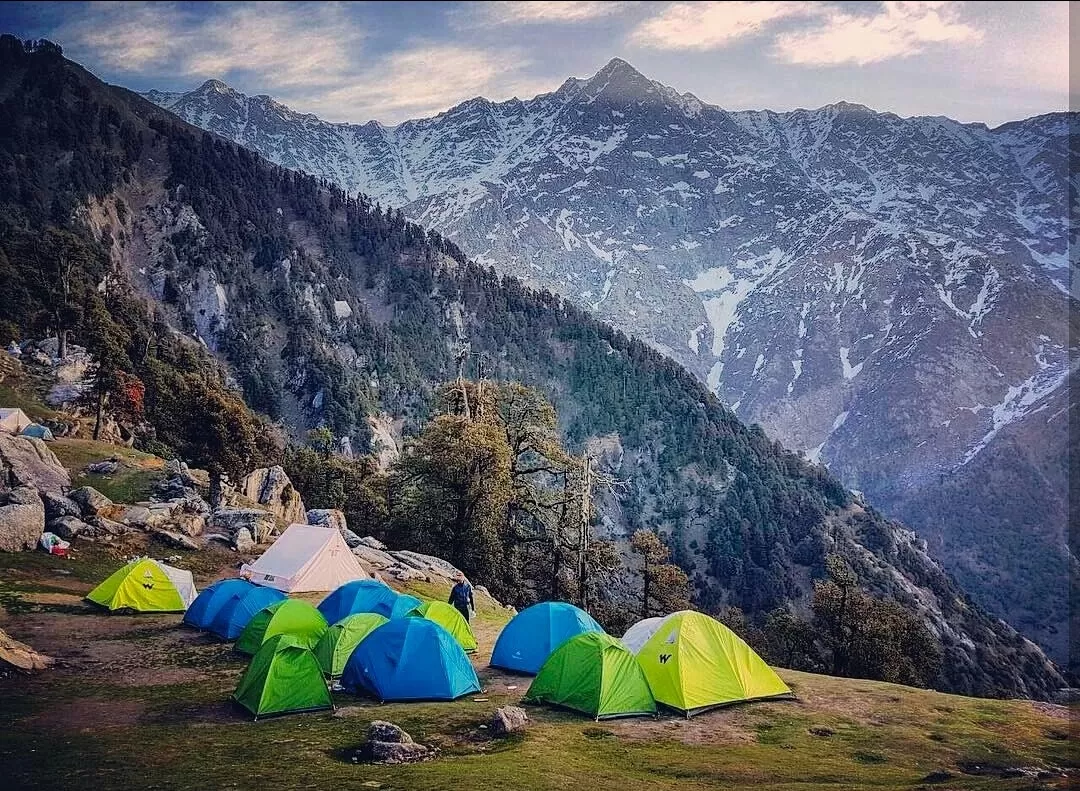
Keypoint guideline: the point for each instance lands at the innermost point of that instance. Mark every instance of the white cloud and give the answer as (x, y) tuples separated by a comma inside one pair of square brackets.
[(899, 29), (422, 80), (542, 12), (711, 25)]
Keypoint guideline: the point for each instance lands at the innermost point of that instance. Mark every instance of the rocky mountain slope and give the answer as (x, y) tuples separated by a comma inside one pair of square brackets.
[(329, 311), (887, 295)]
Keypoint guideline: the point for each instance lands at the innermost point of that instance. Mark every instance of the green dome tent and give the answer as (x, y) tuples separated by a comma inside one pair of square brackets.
[(289, 616), (337, 643), (282, 677), (595, 674), (694, 662), (447, 616), (145, 585)]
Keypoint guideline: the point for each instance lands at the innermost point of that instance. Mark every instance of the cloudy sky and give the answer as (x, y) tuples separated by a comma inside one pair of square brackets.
[(974, 61)]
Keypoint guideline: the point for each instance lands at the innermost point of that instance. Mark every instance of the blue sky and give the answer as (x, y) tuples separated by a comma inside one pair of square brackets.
[(973, 61)]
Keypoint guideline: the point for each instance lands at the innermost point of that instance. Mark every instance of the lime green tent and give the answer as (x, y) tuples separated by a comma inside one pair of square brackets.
[(694, 662), (448, 617), (145, 585), (595, 674), (337, 643), (283, 677), (289, 616)]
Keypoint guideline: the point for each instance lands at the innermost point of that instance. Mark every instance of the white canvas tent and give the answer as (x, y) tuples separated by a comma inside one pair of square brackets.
[(13, 420), (305, 558)]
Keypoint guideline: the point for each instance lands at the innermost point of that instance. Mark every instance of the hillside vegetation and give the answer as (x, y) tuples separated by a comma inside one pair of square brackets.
[(329, 311)]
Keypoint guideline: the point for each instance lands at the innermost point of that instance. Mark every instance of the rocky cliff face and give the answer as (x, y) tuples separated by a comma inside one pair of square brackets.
[(887, 295)]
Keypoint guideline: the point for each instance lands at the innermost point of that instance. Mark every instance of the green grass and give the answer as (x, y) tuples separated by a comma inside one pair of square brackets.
[(133, 481), (139, 702)]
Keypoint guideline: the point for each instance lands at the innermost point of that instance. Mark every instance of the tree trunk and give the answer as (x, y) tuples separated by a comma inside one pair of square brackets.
[(61, 343), (99, 417), (645, 593), (215, 488)]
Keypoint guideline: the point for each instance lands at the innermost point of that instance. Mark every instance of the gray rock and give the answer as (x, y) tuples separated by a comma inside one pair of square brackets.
[(219, 537), (91, 502), (374, 543), (107, 467), (57, 505), (69, 527), (105, 525), (137, 516), (178, 540), (426, 563), (1067, 695), (271, 488), (508, 719), (188, 524), (242, 541), (28, 461), (22, 519), (332, 517), (259, 524), (374, 557), (398, 752), (383, 731)]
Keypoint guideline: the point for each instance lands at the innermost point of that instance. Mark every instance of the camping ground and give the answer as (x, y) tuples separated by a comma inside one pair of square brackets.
[(139, 701)]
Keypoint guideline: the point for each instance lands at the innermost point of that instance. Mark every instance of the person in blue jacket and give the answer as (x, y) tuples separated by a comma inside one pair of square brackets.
[(461, 596)]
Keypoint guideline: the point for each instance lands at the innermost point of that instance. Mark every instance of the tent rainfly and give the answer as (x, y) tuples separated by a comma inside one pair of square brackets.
[(305, 558), (340, 640), (290, 616), (527, 641), (447, 616), (694, 662), (145, 585), (283, 678), (593, 673), (38, 431), (366, 596), (13, 420)]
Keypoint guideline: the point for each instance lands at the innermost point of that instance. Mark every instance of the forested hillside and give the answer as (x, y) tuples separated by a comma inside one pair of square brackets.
[(329, 311)]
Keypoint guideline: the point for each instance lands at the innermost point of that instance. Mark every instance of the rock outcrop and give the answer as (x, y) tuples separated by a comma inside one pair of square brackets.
[(22, 519), (332, 517), (28, 461), (20, 656), (271, 488), (258, 524)]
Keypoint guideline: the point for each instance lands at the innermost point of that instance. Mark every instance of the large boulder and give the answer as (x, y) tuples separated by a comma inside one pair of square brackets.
[(91, 502), (508, 719), (22, 519), (271, 488), (69, 527), (57, 506), (176, 540), (188, 524), (332, 517), (21, 656), (259, 524), (383, 731), (398, 752), (28, 461)]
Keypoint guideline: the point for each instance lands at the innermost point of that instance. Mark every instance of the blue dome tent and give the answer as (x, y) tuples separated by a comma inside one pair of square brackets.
[(207, 604), (366, 596), (240, 608), (528, 640), (410, 659)]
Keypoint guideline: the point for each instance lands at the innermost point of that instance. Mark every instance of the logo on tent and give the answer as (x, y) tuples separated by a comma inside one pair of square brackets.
[(664, 658)]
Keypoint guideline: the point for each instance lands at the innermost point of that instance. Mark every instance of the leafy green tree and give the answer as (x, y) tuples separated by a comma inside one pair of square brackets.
[(665, 587)]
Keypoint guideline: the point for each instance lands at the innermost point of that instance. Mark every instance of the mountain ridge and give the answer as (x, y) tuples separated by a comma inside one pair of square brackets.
[(884, 294)]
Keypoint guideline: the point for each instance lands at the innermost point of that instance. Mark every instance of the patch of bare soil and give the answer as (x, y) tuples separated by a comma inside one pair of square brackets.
[(81, 715), (717, 728)]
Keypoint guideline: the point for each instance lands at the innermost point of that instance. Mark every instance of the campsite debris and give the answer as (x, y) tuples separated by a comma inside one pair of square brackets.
[(22, 519), (479, 700), (508, 719), (53, 544), (20, 656)]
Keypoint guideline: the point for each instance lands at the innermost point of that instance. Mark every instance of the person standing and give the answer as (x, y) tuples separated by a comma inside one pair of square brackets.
[(461, 596)]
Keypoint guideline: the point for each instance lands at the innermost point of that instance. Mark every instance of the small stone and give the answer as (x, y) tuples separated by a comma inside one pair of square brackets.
[(509, 719), (398, 752), (243, 542), (383, 731)]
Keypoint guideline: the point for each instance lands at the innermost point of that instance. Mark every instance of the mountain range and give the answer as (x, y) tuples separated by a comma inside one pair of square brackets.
[(887, 295)]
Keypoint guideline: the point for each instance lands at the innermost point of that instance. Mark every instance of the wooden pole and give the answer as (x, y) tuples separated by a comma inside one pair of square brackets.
[(583, 539)]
